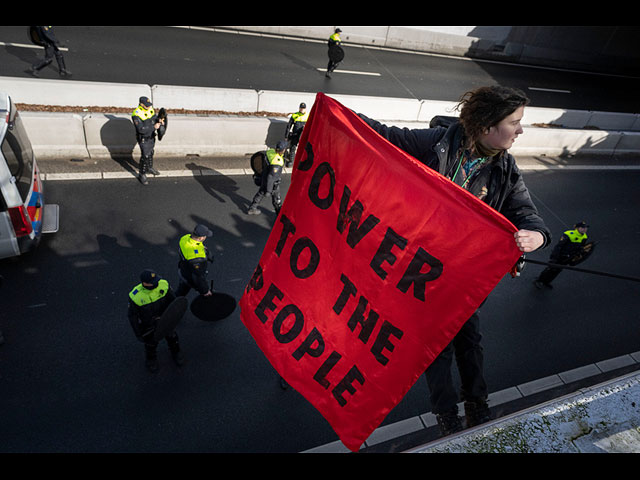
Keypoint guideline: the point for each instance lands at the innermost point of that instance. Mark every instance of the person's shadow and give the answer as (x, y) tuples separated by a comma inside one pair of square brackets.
[(118, 135)]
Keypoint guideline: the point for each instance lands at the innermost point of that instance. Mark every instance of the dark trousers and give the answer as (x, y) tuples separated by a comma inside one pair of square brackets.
[(147, 146), (151, 347), (50, 51), (275, 195), (469, 359)]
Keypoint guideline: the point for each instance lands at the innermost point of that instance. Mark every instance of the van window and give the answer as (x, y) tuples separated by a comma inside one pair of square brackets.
[(16, 149)]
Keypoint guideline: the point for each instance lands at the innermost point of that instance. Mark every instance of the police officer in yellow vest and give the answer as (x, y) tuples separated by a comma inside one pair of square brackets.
[(146, 122), (335, 51), (296, 124), (147, 302), (270, 182), (571, 243), (193, 264)]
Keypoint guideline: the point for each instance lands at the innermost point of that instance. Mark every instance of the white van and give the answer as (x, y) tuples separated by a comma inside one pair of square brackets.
[(24, 216)]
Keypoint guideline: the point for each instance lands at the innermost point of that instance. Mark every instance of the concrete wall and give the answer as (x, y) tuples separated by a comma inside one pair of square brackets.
[(592, 48), (91, 135)]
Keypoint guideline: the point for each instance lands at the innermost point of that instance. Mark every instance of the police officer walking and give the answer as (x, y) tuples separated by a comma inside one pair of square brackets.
[(571, 249), (48, 38), (193, 264), (336, 54), (296, 124), (270, 181), (146, 122), (147, 302)]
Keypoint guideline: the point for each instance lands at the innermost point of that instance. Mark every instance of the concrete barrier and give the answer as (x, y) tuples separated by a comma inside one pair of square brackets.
[(36, 91), (57, 135), (199, 98), (562, 142), (629, 143), (54, 135), (114, 135)]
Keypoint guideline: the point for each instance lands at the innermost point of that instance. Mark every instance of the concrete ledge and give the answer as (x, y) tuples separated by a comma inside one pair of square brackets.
[(604, 418)]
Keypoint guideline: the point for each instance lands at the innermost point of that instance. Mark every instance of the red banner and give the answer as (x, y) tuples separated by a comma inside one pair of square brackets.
[(373, 264)]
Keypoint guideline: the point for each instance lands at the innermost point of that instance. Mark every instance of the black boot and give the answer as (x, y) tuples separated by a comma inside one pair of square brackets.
[(476, 412), (174, 348), (142, 176), (152, 170), (151, 359), (449, 422), (62, 69)]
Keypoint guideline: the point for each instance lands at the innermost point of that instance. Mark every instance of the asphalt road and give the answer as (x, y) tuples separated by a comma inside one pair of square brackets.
[(72, 375), (178, 56)]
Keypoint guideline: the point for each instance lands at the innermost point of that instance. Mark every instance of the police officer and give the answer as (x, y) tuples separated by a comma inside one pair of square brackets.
[(571, 246), (147, 302), (333, 43), (193, 264), (296, 124), (146, 122), (270, 182), (51, 50)]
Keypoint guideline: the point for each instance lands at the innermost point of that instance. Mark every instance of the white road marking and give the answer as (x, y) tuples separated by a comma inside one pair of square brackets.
[(29, 45), (352, 72), (549, 90)]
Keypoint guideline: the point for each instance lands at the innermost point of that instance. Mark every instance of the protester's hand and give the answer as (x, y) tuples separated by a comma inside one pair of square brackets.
[(209, 293), (528, 240)]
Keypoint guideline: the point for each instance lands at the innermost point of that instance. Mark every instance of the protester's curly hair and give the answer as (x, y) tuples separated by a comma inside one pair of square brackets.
[(485, 107)]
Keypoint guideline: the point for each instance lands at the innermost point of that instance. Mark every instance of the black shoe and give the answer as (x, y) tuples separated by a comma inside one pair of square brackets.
[(34, 72), (143, 179), (476, 412), (65, 73), (153, 171), (449, 422)]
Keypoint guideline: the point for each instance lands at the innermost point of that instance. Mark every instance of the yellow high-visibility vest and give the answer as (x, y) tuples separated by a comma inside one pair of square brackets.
[(143, 296), (300, 117), (575, 236), (191, 249), (274, 158), (142, 113)]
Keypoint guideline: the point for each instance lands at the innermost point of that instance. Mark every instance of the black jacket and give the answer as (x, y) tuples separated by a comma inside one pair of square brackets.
[(438, 149), (145, 129)]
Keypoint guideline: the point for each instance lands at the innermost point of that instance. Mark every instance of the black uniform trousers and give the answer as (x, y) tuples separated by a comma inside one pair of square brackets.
[(147, 145), (469, 357), (50, 51)]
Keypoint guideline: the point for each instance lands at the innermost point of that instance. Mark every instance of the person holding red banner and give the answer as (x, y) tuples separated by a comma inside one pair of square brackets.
[(473, 153)]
